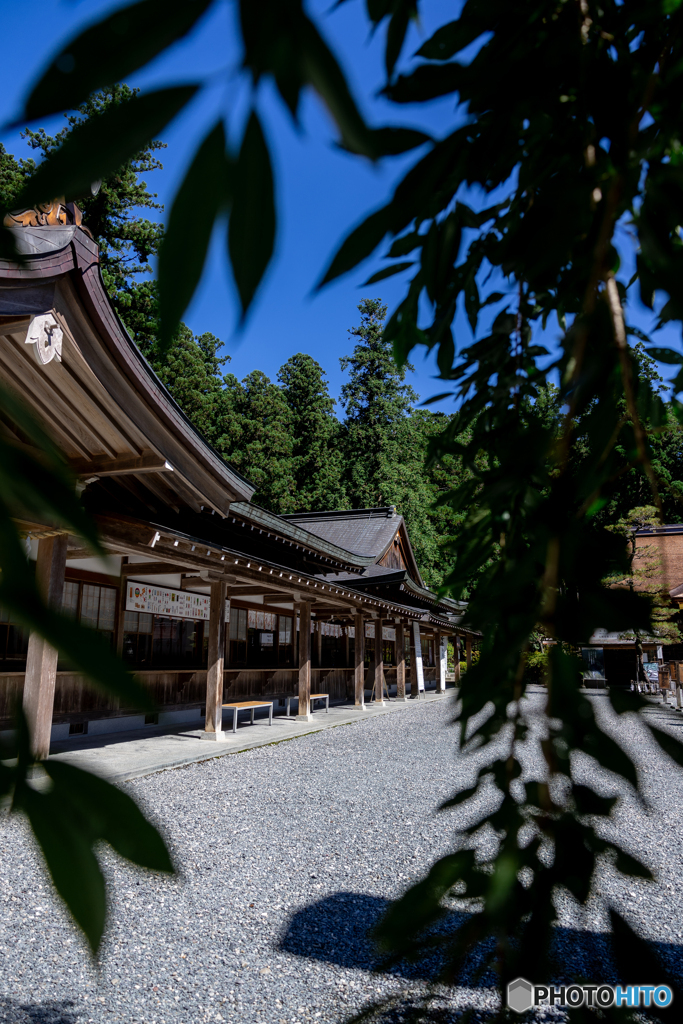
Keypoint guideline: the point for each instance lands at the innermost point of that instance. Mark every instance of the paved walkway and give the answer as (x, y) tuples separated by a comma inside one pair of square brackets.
[(122, 756)]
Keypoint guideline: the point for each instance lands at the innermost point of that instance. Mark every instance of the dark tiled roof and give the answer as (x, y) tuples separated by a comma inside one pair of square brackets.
[(365, 531)]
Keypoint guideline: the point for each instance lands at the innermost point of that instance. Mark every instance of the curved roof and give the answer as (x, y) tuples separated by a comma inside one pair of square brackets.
[(108, 411)]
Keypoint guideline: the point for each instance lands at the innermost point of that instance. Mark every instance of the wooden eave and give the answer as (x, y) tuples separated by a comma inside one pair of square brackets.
[(274, 525), (103, 403), (214, 562)]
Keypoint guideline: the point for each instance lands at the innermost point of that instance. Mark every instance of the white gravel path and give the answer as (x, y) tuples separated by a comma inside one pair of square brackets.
[(287, 854)]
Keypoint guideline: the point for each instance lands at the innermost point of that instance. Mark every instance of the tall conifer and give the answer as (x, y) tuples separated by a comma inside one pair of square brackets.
[(316, 433)]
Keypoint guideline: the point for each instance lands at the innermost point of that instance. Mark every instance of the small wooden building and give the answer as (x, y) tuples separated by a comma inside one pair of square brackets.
[(207, 596)]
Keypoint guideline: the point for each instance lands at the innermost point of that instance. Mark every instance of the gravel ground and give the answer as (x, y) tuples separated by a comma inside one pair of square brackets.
[(288, 853)]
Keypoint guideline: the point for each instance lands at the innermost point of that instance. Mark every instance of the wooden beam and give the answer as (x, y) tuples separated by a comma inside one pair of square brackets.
[(260, 591), (148, 462), (159, 568)]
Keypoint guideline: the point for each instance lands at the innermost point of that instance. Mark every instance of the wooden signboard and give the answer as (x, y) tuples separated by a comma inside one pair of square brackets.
[(177, 604)]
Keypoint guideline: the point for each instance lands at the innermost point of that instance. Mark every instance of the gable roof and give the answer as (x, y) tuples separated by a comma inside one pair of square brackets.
[(365, 531)]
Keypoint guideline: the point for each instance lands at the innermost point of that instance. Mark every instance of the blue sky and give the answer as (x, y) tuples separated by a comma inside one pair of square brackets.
[(322, 192)]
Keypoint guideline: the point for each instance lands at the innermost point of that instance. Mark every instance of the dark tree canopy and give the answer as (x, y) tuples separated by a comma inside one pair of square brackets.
[(318, 457)]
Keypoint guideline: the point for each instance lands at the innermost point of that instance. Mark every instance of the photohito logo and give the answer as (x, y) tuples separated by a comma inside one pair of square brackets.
[(522, 995)]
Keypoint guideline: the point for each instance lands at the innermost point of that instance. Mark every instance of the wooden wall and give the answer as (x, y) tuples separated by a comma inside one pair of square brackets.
[(75, 701)]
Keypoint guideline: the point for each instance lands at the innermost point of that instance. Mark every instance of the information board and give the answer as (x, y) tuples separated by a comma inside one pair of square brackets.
[(178, 604), (417, 644)]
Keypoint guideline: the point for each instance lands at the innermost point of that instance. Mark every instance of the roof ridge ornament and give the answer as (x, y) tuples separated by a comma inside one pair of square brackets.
[(45, 334), (57, 213)]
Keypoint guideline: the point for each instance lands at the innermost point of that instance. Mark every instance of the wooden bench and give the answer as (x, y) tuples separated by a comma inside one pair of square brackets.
[(314, 696), (242, 705)]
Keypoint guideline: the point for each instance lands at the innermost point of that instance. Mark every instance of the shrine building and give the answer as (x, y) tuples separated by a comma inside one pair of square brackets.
[(208, 597)]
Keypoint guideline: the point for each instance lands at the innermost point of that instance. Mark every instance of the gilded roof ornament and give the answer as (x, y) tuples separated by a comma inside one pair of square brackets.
[(54, 214)]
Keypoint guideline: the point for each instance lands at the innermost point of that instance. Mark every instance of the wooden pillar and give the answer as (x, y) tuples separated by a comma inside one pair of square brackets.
[(379, 664), (305, 663), (410, 670), (346, 646), (121, 615), (41, 659), (295, 631), (468, 651), (213, 723), (456, 659), (359, 661), (400, 663)]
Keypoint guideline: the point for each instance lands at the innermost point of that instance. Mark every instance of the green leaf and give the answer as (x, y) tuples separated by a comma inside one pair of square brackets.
[(665, 355), (101, 145), (421, 906), (393, 141), (251, 233), (109, 51), (63, 837), (450, 39), (402, 13), (202, 195), (357, 246), (110, 815), (427, 82), (43, 486), (406, 244), (396, 268), (321, 70)]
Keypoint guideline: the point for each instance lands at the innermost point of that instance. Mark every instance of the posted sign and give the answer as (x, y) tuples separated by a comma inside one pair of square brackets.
[(179, 604)]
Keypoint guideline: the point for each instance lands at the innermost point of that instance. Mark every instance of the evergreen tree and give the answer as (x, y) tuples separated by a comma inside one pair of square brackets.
[(318, 464), (192, 371), (256, 438), (377, 402), (127, 241)]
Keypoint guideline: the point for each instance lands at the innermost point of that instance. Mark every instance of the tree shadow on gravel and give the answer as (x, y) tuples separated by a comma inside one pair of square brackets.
[(14, 1011), (336, 930)]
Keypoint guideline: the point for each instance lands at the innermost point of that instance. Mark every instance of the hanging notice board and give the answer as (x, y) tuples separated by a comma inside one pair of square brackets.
[(179, 604), (417, 644)]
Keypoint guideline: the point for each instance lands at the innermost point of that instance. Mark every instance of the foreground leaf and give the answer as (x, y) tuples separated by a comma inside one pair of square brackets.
[(203, 193), (109, 51), (99, 146), (251, 233)]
